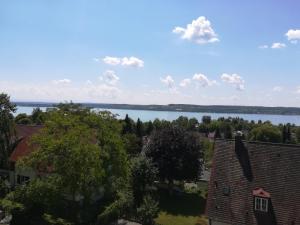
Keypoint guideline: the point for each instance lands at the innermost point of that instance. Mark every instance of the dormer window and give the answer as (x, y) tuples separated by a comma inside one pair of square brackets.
[(261, 204), (261, 200)]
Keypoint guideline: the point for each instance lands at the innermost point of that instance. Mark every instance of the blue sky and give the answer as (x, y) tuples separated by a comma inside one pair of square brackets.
[(151, 52)]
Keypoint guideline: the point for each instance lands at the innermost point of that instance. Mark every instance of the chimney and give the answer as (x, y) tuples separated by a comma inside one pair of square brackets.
[(238, 139), (242, 155)]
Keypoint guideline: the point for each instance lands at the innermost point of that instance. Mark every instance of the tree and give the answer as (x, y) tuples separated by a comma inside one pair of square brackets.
[(149, 127), (82, 152), (266, 133), (298, 134), (37, 116), (176, 153), (128, 125), (22, 118), (139, 128), (206, 119), (7, 129), (143, 176)]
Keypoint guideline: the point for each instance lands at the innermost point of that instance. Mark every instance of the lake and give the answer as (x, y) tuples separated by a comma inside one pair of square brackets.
[(146, 115)]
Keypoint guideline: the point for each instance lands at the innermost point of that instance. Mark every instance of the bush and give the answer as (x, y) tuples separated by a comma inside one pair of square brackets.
[(148, 211)]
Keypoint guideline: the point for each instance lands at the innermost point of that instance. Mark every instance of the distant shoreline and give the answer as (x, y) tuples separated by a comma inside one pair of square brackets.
[(226, 109)]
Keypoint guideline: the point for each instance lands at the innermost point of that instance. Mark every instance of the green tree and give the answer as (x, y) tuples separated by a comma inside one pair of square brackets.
[(206, 119), (298, 134), (7, 129), (139, 128), (266, 133), (128, 126), (83, 153), (22, 118), (176, 153), (38, 116), (143, 176)]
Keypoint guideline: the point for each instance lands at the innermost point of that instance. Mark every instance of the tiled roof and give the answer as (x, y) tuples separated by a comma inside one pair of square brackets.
[(24, 133), (239, 168)]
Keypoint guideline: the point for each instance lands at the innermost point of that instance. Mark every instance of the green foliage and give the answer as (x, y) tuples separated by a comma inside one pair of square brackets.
[(206, 119), (22, 118), (208, 149), (139, 128), (143, 176), (148, 211), (7, 129), (117, 208), (298, 134), (176, 153), (51, 220), (133, 144), (266, 133), (83, 155), (38, 116)]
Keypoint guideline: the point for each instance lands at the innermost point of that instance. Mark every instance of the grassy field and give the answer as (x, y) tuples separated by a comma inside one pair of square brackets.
[(186, 208)]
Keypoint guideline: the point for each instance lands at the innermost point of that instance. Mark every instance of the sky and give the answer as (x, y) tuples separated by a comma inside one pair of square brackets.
[(204, 52)]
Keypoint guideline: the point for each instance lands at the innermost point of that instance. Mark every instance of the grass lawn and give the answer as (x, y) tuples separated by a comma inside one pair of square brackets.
[(186, 208)]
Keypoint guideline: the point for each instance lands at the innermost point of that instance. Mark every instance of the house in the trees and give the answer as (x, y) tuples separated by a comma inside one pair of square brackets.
[(22, 148), (254, 183)]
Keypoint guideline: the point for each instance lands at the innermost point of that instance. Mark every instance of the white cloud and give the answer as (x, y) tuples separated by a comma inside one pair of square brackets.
[(185, 82), (132, 61), (203, 81), (234, 79), (125, 61), (277, 89), (199, 31), (168, 81), (263, 46), (62, 81), (110, 77), (293, 35), (278, 45), (298, 90), (111, 60)]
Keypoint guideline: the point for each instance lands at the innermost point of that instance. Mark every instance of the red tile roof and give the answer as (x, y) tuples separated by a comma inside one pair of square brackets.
[(24, 133), (259, 192)]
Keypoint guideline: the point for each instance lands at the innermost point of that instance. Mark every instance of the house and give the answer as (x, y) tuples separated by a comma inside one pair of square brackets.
[(254, 183), (22, 148)]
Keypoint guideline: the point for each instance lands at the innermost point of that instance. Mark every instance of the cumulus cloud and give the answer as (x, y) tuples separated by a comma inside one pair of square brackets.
[(185, 82), (62, 81), (202, 80), (235, 80), (125, 61), (298, 90), (110, 77), (277, 89), (111, 60), (199, 31), (168, 81), (293, 35), (278, 45)]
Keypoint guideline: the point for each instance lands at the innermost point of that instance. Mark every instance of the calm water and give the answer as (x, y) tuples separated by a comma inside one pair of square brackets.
[(145, 115)]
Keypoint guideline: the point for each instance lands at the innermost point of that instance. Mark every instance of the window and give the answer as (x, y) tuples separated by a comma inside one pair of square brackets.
[(22, 179), (261, 204)]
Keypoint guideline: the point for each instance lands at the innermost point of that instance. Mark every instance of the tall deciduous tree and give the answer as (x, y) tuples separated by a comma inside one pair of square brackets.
[(7, 128), (176, 153)]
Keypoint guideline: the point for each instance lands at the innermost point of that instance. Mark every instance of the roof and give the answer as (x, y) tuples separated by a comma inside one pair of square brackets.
[(24, 133), (241, 169)]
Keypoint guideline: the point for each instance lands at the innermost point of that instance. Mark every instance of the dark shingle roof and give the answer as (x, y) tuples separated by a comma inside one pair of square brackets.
[(241, 167)]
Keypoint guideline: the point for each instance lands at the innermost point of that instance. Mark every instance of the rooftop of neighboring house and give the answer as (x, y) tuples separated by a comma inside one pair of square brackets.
[(244, 172), (22, 148)]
